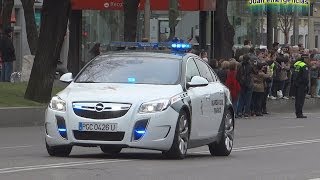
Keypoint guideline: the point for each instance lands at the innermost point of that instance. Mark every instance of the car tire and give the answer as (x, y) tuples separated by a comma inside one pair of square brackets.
[(224, 146), (59, 151), (110, 150), (179, 146)]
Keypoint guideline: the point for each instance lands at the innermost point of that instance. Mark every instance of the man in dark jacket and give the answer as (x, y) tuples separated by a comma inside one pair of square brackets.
[(8, 54), (244, 77)]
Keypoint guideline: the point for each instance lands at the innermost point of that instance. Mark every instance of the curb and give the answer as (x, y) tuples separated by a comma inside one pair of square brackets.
[(22, 117)]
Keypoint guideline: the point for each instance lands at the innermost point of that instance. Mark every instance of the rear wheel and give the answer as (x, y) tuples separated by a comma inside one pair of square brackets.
[(110, 150), (59, 151), (179, 146), (225, 145)]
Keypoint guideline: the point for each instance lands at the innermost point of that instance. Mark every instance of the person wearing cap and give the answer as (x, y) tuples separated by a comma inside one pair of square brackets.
[(301, 83)]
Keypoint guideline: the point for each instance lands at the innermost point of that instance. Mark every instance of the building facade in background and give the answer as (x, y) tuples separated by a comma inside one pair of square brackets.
[(253, 25)]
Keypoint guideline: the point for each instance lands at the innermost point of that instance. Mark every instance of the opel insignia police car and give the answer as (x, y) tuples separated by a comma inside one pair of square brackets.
[(169, 102)]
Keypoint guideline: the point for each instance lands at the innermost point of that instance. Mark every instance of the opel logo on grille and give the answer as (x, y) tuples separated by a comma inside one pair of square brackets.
[(99, 107)]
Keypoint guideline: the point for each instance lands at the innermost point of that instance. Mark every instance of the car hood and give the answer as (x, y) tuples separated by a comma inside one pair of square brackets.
[(120, 93)]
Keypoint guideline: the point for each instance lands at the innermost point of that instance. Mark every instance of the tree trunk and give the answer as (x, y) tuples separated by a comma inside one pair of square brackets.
[(7, 12), (269, 28), (75, 42), (286, 37), (130, 19), (147, 14), (31, 27), (54, 20), (203, 16), (173, 15), (1, 2), (223, 32)]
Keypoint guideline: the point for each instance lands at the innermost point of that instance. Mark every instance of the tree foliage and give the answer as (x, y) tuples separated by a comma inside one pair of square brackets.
[(285, 25)]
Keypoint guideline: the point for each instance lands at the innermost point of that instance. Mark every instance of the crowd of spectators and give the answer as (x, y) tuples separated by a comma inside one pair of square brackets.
[(255, 75)]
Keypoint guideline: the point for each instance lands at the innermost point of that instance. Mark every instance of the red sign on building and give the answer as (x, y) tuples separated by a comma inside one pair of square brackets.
[(160, 5)]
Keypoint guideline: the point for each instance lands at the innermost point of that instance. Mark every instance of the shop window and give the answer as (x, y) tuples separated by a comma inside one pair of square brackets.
[(300, 39)]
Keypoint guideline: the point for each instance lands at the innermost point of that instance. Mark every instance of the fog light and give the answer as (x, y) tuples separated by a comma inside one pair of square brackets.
[(140, 129), (62, 129)]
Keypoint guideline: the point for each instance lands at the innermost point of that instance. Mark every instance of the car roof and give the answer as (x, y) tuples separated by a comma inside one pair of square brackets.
[(153, 54)]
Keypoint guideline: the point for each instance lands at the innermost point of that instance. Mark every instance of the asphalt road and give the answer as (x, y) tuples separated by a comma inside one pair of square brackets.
[(274, 147)]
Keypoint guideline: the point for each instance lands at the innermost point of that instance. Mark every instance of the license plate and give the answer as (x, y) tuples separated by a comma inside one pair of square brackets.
[(104, 127)]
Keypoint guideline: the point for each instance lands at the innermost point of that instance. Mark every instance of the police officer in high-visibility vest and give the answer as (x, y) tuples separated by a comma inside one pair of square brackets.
[(301, 83)]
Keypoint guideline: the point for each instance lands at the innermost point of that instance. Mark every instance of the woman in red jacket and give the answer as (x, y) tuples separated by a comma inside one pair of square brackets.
[(233, 84)]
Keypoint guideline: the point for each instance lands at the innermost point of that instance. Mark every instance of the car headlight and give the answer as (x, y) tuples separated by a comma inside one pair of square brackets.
[(57, 104), (154, 106)]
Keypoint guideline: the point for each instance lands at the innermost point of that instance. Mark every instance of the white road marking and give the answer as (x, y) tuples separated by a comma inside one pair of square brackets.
[(95, 162), (266, 146), (15, 147), (278, 128), (291, 127), (60, 165), (315, 179)]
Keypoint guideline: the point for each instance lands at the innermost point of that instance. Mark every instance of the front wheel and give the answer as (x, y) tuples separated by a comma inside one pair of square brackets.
[(225, 145), (179, 146), (59, 151)]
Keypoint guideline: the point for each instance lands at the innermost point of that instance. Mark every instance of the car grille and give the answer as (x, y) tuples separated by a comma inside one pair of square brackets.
[(100, 110), (98, 136)]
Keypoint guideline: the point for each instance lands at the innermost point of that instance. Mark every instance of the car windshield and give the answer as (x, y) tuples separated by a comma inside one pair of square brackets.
[(137, 70)]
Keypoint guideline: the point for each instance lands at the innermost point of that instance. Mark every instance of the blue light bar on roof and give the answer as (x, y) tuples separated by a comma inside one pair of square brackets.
[(180, 46), (174, 46)]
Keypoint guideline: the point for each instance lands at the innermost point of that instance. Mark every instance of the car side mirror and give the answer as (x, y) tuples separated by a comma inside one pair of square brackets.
[(197, 81), (67, 78)]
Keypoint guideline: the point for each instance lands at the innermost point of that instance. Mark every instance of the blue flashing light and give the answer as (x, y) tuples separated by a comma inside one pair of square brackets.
[(138, 134), (180, 47), (140, 131), (174, 45), (131, 80), (62, 130)]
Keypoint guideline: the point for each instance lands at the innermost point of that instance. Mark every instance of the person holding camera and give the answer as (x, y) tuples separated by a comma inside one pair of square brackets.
[(259, 77)]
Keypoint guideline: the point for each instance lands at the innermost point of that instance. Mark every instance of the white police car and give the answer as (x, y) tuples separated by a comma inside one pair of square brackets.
[(169, 102)]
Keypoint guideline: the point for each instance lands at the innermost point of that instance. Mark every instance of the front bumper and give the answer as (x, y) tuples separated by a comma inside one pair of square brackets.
[(159, 132)]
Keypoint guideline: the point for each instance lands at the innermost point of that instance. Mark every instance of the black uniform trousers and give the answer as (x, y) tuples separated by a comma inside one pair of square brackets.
[(300, 95)]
